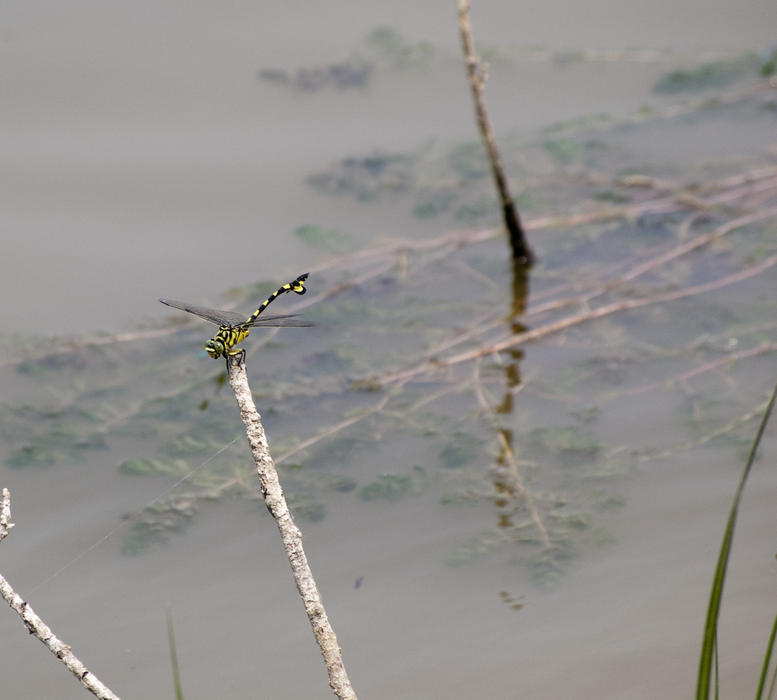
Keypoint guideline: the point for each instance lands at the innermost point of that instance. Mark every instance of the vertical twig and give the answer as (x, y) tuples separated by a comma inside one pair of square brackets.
[(290, 534), (5, 514), (37, 627), (477, 79)]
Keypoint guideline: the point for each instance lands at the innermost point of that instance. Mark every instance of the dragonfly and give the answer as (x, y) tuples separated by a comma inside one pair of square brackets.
[(234, 327)]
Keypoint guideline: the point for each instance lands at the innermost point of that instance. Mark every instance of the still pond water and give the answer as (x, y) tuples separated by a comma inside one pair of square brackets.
[(499, 518)]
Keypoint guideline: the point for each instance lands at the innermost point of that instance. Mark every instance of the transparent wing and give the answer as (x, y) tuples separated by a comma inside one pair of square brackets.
[(233, 318), (215, 316), (283, 320)]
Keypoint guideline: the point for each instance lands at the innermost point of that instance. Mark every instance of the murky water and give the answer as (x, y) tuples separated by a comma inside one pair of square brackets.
[(142, 157)]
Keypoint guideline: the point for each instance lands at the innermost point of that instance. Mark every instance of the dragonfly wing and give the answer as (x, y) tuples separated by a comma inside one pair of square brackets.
[(215, 316), (280, 320)]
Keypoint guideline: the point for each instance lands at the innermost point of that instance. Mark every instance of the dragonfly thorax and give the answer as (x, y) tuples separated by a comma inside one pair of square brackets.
[(223, 342)]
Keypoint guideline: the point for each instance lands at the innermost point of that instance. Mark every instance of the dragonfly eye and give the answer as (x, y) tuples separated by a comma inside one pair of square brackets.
[(214, 348)]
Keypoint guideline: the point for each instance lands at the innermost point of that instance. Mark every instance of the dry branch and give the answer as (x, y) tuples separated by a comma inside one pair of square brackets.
[(576, 319), (290, 534), (37, 627), (652, 263), (683, 377)]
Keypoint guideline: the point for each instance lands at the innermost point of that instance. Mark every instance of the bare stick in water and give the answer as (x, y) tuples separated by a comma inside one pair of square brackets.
[(477, 80)]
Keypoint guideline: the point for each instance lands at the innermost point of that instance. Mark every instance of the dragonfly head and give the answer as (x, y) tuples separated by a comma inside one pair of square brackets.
[(215, 348)]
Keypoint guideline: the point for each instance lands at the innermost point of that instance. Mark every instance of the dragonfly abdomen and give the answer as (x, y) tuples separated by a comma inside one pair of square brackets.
[(297, 286)]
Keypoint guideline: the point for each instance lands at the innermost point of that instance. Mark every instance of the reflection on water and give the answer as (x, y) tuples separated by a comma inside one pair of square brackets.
[(458, 441)]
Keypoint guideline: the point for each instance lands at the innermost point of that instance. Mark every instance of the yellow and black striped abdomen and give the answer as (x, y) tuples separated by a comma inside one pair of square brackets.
[(297, 286)]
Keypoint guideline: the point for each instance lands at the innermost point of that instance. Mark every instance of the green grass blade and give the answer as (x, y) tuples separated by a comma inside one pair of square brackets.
[(771, 686), (713, 610), (173, 654), (767, 661)]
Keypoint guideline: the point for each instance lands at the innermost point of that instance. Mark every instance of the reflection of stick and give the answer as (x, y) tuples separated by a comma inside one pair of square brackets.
[(290, 534), (477, 78), (507, 453), (37, 627)]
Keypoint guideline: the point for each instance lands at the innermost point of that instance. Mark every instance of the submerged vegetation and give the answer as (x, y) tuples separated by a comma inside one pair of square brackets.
[(384, 48), (715, 74), (440, 376)]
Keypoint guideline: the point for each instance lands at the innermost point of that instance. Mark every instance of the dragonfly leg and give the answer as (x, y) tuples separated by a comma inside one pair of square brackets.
[(236, 356)]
